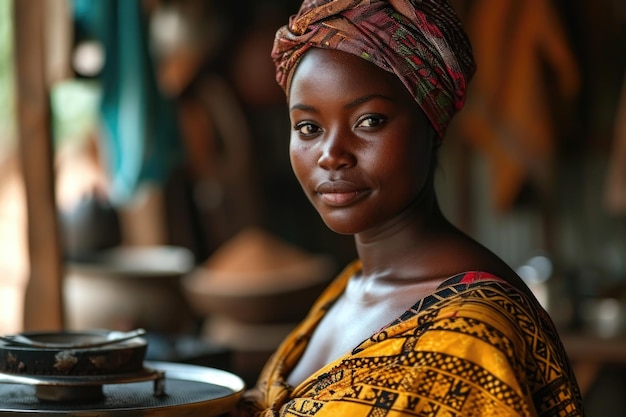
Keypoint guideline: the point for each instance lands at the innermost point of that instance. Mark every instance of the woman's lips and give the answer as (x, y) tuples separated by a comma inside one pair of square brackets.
[(340, 193), (340, 199)]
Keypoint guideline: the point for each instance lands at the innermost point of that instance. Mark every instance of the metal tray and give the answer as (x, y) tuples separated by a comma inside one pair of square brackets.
[(190, 390)]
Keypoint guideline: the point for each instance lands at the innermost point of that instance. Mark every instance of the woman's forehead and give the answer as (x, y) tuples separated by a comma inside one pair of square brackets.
[(320, 68)]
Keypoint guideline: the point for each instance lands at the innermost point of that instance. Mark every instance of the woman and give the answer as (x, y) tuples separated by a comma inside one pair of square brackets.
[(426, 322)]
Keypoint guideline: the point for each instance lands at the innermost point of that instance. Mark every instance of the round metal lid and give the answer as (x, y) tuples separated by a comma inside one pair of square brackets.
[(190, 390)]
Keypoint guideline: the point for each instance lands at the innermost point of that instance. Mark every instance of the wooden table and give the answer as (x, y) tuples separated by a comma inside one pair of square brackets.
[(589, 354)]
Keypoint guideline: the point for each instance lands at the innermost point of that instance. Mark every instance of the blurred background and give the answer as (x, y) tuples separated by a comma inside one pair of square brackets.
[(145, 181)]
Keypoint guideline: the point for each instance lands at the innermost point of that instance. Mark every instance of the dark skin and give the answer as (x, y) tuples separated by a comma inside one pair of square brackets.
[(364, 153)]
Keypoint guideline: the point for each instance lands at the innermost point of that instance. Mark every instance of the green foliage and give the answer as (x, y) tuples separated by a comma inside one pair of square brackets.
[(7, 105)]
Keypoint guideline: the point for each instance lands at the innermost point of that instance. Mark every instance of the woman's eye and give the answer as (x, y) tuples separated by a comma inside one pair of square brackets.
[(306, 129), (371, 121)]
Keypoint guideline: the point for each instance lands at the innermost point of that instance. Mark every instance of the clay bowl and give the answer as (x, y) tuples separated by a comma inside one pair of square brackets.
[(279, 295)]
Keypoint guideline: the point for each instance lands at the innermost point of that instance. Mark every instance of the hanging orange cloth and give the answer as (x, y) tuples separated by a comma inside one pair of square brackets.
[(615, 192), (507, 115)]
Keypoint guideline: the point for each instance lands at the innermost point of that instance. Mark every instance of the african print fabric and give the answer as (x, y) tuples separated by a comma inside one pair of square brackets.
[(420, 41), (475, 347)]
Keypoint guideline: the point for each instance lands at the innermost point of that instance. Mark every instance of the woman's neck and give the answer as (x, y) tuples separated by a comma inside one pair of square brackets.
[(407, 247)]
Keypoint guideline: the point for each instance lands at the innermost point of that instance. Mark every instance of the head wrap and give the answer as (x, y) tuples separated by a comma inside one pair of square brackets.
[(421, 41)]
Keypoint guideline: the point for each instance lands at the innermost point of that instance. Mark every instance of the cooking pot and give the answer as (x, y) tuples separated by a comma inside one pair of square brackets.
[(71, 353), (129, 287)]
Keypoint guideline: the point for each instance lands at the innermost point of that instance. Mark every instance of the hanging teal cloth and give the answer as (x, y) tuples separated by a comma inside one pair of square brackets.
[(140, 134)]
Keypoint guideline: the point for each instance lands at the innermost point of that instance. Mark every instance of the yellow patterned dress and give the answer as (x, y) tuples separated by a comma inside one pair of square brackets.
[(475, 347)]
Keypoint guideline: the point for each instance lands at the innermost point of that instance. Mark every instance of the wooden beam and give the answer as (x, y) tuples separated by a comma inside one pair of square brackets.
[(43, 298)]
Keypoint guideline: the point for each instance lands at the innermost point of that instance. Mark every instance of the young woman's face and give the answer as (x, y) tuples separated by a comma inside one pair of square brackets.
[(360, 146)]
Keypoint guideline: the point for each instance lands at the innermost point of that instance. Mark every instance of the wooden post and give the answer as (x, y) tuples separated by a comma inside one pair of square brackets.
[(43, 299)]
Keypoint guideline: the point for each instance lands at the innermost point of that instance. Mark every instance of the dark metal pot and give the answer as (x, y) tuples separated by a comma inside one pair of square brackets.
[(76, 359)]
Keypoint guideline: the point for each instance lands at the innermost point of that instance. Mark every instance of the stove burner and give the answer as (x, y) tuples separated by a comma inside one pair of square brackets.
[(83, 388)]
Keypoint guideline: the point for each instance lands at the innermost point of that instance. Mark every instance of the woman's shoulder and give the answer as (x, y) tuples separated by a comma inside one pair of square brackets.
[(482, 298), (481, 302), (492, 291), (472, 263)]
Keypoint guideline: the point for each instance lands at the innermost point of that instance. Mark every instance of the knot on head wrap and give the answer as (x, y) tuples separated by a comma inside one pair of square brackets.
[(421, 41)]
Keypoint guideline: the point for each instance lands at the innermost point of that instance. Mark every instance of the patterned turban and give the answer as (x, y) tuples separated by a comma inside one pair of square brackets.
[(421, 41)]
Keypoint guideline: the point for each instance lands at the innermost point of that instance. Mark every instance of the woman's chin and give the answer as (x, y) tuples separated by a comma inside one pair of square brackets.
[(340, 226)]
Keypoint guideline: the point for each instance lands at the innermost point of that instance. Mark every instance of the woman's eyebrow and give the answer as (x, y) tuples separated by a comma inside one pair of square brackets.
[(303, 107)]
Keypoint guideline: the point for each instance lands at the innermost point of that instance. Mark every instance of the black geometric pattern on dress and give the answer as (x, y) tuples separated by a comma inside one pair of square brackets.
[(430, 381), (515, 306), (446, 382)]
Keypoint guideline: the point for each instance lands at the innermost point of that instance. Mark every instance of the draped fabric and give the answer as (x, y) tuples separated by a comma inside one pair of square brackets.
[(421, 41), (140, 136), (528, 70), (475, 347)]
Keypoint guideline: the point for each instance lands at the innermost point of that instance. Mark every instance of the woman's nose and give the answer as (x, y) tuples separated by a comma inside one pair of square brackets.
[(336, 152)]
